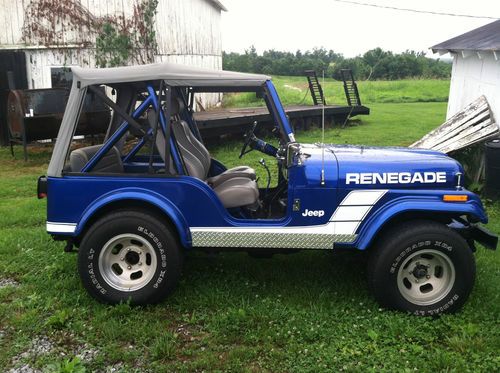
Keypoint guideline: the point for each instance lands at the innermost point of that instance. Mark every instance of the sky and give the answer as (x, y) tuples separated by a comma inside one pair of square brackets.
[(346, 28)]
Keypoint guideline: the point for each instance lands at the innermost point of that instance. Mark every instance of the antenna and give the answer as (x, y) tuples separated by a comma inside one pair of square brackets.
[(322, 181)]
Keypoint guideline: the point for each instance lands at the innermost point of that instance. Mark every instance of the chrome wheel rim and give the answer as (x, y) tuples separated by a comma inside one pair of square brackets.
[(426, 277), (127, 262)]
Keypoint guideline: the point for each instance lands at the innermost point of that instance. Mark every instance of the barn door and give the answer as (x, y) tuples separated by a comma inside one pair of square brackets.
[(12, 76)]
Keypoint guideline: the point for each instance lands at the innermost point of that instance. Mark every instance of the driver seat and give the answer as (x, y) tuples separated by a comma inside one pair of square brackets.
[(235, 187), (198, 159)]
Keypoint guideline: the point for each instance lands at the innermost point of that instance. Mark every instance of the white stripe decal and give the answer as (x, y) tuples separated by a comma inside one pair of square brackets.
[(350, 213), (342, 227), (346, 227), (354, 208), (61, 227), (363, 197)]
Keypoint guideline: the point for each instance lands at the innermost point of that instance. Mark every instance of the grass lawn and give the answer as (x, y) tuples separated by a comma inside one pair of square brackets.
[(294, 90), (307, 312)]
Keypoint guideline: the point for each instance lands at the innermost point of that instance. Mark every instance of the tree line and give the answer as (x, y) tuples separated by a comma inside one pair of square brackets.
[(376, 64)]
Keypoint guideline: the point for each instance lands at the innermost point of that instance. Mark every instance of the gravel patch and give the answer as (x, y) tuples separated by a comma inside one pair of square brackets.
[(87, 353), (4, 282), (42, 345), (39, 346), (118, 367), (24, 369)]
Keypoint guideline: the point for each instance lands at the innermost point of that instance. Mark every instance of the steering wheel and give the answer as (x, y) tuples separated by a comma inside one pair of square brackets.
[(249, 137)]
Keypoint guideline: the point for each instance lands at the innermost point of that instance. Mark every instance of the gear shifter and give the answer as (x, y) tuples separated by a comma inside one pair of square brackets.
[(263, 163)]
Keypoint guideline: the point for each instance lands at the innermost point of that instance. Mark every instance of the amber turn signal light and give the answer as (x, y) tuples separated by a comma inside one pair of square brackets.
[(455, 198)]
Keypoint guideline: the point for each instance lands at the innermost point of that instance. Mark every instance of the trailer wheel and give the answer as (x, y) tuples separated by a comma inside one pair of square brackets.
[(129, 256), (421, 267)]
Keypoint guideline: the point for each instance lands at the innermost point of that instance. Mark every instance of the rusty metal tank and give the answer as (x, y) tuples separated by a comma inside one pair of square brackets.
[(37, 114)]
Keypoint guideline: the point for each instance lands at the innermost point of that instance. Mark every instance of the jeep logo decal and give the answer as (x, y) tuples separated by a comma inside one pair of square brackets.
[(318, 213)]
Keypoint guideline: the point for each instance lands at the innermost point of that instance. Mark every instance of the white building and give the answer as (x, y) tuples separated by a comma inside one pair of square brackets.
[(476, 68), (55, 34)]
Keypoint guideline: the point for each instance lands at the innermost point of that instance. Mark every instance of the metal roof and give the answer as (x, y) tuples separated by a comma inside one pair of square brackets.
[(173, 74), (218, 4), (485, 38)]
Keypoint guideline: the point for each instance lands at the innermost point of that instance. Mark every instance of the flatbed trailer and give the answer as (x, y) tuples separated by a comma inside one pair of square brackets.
[(213, 123)]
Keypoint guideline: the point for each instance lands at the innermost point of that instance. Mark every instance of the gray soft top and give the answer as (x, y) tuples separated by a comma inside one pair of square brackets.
[(173, 74)]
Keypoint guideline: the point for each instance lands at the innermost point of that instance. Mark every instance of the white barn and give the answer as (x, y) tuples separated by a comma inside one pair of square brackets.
[(55, 34), (476, 68)]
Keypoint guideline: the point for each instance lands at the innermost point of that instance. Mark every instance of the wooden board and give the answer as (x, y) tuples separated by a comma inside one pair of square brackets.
[(472, 125), (213, 123)]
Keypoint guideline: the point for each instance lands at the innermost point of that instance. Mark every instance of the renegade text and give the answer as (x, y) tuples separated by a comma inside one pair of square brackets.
[(395, 178)]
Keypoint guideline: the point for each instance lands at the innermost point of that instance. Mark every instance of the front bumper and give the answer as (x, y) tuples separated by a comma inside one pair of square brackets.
[(475, 233), (483, 236)]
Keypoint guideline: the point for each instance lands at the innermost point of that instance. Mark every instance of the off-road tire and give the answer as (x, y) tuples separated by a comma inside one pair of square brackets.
[(148, 255), (404, 260)]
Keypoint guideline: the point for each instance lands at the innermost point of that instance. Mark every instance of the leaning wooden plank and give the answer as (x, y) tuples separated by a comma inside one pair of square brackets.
[(451, 127), (485, 137), (457, 129), (472, 139), (464, 133), (478, 106), (474, 109)]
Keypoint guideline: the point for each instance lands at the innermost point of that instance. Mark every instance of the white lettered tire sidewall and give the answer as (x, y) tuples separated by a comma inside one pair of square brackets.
[(409, 239), (149, 228)]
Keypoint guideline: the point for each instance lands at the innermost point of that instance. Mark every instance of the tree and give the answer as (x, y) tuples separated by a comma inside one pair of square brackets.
[(374, 64)]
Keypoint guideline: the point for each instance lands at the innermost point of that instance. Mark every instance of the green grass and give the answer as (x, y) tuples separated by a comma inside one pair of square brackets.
[(307, 312), (293, 90)]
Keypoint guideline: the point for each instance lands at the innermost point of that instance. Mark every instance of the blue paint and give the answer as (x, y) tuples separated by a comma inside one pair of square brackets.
[(190, 202), (281, 111), (265, 148), (174, 152), (399, 202), (144, 196)]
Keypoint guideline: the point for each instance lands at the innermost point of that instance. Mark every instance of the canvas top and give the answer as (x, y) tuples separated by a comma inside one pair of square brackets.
[(174, 74)]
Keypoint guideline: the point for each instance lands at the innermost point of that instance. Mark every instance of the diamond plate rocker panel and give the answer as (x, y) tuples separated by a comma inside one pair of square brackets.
[(272, 240)]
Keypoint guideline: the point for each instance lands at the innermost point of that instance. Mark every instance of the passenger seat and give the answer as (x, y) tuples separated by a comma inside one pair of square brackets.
[(111, 162)]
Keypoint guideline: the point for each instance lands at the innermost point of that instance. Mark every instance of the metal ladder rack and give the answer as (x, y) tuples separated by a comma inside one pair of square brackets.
[(350, 88), (315, 88)]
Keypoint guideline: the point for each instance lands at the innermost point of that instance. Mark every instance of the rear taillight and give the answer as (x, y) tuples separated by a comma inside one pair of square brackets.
[(41, 189)]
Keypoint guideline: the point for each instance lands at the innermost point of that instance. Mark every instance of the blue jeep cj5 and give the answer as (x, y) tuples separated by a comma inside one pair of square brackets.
[(151, 190)]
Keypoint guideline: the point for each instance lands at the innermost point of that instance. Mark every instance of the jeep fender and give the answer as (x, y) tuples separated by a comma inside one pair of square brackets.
[(398, 206), (138, 194)]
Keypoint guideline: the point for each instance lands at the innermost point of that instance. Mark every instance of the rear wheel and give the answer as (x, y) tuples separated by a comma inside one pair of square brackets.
[(129, 255), (421, 267)]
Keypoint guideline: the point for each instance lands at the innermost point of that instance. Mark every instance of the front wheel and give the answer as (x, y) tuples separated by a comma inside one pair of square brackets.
[(421, 267), (129, 255)]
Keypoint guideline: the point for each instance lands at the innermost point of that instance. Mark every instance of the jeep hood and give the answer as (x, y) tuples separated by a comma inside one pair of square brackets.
[(348, 166)]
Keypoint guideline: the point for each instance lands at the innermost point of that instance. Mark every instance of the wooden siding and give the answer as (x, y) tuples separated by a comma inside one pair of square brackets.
[(183, 27), (472, 77), (188, 32), (11, 18), (40, 61), (188, 27)]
